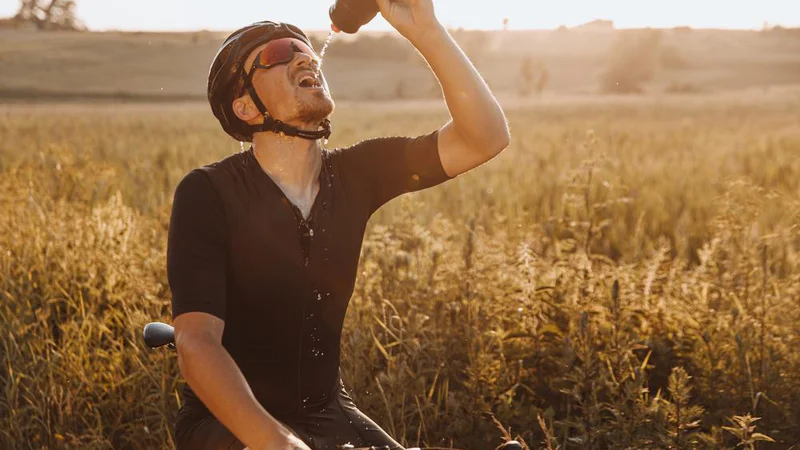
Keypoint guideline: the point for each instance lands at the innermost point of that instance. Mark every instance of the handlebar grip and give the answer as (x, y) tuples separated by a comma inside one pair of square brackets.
[(157, 334)]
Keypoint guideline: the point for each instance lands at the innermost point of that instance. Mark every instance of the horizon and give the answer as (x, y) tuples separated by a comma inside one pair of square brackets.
[(158, 16)]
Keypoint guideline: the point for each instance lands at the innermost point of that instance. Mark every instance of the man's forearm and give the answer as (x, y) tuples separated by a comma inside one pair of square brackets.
[(218, 382), (474, 110)]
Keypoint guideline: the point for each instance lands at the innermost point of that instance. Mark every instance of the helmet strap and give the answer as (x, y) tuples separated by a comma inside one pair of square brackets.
[(276, 126)]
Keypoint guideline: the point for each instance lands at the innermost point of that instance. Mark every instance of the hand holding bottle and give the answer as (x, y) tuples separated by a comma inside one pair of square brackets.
[(411, 18)]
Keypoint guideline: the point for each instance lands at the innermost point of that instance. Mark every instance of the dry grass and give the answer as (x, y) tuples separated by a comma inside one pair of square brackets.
[(624, 276)]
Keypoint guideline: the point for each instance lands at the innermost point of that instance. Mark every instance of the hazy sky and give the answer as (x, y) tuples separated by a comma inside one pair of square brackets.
[(312, 14)]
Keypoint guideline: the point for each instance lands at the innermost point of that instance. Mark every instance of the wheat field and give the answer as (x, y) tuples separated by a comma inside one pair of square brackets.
[(626, 275)]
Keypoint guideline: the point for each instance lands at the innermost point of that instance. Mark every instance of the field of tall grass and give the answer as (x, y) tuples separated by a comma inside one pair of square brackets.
[(625, 276)]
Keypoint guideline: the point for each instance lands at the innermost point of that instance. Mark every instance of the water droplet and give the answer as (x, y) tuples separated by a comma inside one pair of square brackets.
[(325, 48)]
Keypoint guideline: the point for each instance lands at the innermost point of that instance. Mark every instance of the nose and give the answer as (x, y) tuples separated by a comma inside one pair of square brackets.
[(302, 59)]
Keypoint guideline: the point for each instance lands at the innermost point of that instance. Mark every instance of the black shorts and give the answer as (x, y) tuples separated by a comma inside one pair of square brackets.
[(338, 422)]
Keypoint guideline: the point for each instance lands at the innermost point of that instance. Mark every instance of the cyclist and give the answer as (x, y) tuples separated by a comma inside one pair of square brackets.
[(264, 244)]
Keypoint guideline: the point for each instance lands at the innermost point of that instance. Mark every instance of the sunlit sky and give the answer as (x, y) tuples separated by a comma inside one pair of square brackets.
[(487, 14)]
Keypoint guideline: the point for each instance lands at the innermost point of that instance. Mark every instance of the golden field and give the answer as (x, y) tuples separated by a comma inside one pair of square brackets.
[(625, 275)]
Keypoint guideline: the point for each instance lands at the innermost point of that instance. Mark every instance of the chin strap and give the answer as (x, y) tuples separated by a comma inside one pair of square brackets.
[(276, 126)]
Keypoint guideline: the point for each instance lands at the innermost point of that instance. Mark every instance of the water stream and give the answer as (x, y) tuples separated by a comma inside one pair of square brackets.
[(325, 48)]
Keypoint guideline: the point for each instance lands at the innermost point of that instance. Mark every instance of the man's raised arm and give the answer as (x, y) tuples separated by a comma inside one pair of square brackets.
[(478, 130)]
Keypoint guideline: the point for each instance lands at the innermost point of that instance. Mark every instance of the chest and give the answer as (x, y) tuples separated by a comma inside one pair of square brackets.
[(273, 249)]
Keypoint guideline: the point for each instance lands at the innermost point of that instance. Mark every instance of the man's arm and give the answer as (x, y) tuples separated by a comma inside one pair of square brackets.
[(216, 379), (196, 252), (478, 130)]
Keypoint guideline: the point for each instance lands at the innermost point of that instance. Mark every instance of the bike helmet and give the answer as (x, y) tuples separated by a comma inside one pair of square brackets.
[(228, 68)]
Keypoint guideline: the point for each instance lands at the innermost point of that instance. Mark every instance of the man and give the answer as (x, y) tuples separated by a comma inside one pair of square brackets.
[(264, 244)]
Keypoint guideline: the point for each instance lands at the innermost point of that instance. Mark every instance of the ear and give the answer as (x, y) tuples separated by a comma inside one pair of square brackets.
[(244, 108)]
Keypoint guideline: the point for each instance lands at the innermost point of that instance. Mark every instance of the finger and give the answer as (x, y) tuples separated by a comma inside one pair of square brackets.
[(385, 6)]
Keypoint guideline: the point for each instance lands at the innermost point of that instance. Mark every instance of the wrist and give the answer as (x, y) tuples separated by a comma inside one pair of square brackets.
[(425, 36), (274, 436), (287, 441)]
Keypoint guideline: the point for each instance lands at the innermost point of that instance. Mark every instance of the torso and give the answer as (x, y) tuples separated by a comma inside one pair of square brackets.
[(285, 303), (288, 271)]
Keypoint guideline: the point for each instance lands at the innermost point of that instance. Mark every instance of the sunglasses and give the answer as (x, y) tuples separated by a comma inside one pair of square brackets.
[(280, 51)]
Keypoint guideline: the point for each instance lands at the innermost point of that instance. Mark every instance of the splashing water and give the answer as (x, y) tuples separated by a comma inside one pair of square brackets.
[(325, 47)]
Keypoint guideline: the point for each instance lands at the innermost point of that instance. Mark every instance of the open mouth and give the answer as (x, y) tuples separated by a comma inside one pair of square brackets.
[(309, 81)]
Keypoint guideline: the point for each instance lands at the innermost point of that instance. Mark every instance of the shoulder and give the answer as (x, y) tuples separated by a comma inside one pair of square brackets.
[(230, 168), (211, 180), (388, 151), (368, 149)]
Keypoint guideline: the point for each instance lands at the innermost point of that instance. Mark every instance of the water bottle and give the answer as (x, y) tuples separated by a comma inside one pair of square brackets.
[(350, 15)]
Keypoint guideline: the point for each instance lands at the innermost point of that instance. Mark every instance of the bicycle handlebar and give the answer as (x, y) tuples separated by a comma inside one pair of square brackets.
[(157, 334)]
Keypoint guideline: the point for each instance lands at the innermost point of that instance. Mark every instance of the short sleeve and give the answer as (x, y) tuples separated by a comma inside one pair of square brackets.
[(392, 166), (196, 248)]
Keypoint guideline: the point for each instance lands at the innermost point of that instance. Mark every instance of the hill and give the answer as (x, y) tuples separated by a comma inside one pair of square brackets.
[(380, 66)]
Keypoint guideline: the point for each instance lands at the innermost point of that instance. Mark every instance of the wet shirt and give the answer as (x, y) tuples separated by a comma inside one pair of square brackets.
[(240, 250)]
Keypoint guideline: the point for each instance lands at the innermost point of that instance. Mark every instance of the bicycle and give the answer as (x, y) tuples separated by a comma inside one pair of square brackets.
[(159, 334)]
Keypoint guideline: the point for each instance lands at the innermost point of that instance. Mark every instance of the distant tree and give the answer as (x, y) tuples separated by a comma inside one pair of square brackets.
[(542, 81), (49, 14), (534, 76), (632, 61)]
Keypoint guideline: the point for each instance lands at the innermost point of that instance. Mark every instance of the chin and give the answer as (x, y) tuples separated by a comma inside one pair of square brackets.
[(316, 108)]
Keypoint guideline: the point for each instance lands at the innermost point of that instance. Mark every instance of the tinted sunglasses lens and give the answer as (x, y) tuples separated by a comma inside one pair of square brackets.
[(301, 46), (281, 51)]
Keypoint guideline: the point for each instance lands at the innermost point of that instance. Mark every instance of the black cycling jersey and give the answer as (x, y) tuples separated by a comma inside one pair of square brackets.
[(240, 250)]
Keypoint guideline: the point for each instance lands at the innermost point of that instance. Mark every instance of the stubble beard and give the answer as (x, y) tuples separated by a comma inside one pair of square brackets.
[(314, 110)]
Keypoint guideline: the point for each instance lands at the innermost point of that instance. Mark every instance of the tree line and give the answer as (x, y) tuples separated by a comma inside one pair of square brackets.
[(48, 15)]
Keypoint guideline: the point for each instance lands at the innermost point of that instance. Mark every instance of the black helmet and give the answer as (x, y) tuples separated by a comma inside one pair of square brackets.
[(228, 67)]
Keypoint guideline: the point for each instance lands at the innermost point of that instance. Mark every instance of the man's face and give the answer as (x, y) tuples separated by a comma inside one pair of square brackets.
[(295, 93)]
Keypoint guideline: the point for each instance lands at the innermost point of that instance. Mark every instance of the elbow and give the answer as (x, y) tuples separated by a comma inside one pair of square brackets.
[(498, 140), (490, 144), (489, 140), (191, 346), (499, 136), (503, 139)]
